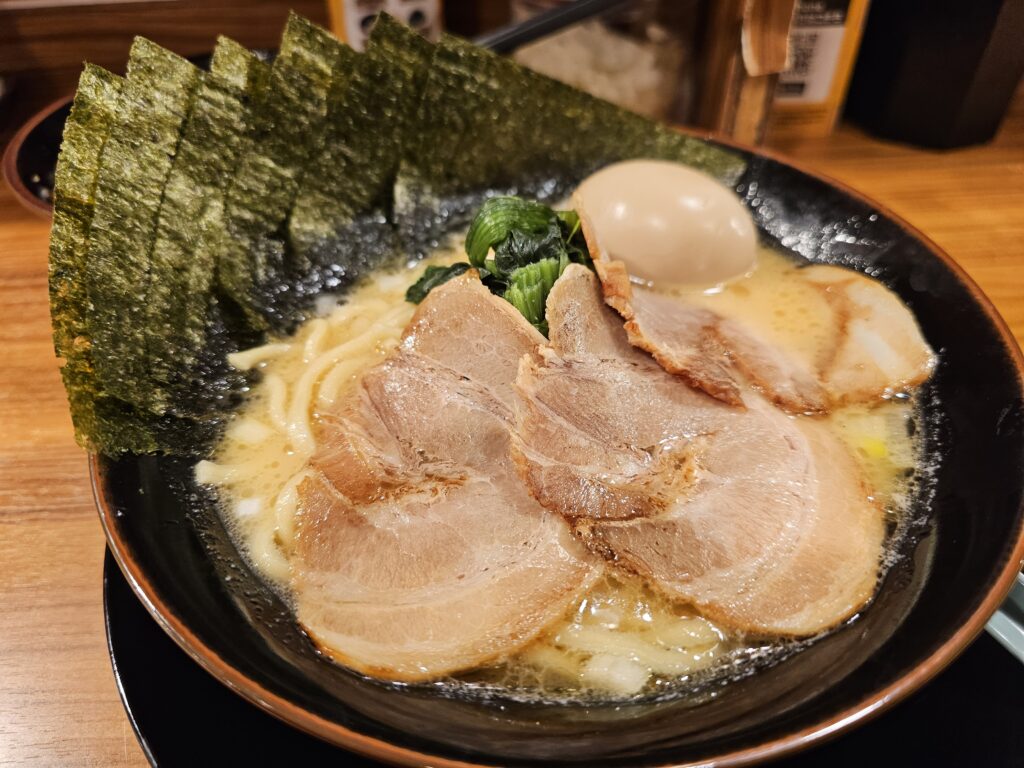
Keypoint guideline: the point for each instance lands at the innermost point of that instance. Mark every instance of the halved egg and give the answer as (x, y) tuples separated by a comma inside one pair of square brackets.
[(668, 222)]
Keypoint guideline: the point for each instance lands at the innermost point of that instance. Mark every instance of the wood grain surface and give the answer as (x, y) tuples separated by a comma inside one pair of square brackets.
[(58, 704), (54, 35)]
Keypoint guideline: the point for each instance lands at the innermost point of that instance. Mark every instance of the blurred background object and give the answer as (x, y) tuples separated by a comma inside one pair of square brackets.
[(639, 57), (938, 73), (352, 20), (935, 72), (709, 64), (745, 45), (44, 42), (823, 41)]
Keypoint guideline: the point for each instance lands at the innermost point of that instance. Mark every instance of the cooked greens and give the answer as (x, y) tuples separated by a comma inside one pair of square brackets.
[(519, 248), (432, 277), (529, 286), (520, 232), (197, 212)]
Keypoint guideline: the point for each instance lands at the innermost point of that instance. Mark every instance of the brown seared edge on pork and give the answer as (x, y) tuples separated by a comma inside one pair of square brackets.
[(710, 352)]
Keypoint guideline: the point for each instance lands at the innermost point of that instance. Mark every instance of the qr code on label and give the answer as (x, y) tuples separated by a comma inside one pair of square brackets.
[(802, 46)]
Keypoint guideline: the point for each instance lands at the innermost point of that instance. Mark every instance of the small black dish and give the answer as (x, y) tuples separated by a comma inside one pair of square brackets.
[(167, 695), (169, 541), (30, 159)]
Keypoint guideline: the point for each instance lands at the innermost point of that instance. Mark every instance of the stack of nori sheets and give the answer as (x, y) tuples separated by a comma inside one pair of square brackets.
[(197, 212)]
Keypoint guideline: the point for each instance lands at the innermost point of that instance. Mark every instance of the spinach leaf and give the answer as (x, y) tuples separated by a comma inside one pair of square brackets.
[(520, 248), (433, 277), (529, 287)]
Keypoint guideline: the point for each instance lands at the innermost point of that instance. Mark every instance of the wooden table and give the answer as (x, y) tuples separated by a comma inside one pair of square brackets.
[(58, 704)]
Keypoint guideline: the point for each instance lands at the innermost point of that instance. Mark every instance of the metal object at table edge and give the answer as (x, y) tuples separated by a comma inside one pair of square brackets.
[(1007, 624)]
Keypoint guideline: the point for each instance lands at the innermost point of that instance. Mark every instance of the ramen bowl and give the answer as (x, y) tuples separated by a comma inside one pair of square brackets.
[(958, 562)]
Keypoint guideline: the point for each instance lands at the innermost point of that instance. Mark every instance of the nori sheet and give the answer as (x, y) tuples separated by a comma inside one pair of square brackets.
[(133, 172), (85, 132), (353, 176), (102, 423), (487, 123), (289, 111), (93, 113), (190, 231)]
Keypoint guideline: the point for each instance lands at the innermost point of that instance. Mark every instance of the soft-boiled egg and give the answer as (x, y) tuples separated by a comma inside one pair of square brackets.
[(668, 223)]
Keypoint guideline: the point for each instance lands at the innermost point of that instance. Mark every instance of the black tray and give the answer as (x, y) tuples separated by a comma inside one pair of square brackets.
[(972, 714)]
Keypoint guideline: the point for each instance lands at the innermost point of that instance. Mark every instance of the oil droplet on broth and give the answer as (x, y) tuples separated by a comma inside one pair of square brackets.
[(774, 303)]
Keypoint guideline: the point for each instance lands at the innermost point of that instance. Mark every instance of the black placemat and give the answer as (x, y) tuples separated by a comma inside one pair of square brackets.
[(971, 715)]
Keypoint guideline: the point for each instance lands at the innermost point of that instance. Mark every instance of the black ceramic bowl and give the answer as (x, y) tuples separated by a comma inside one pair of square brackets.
[(952, 575)]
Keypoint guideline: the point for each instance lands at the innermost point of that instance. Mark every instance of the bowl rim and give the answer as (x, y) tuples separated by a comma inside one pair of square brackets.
[(868, 707), (9, 163)]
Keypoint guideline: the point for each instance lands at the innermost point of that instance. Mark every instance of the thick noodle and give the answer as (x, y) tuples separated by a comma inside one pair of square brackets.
[(263, 457)]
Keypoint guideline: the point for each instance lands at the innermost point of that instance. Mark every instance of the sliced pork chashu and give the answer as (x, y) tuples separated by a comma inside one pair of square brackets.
[(711, 352), (876, 347), (445, 578), (418, 551), (760, 520)]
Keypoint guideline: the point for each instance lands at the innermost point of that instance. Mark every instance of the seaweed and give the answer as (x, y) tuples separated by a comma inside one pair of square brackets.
[(85, 132), (194, 213), (102, 423), (133, 171), (190, 229), (486, 124), (289, 111), (93, 112), (355, 171)]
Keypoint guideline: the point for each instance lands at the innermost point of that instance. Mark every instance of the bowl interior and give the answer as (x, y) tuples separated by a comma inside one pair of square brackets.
[(167, 535)]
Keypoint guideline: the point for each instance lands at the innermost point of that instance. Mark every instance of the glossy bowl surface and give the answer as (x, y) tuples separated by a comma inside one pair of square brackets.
[(952, 573), (166, 694)]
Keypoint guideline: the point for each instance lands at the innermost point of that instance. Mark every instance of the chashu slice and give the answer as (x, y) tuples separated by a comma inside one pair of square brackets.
[(464, 326), (879, 348), (418, 551), (710, 352), (760, 520), (444, 578)]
